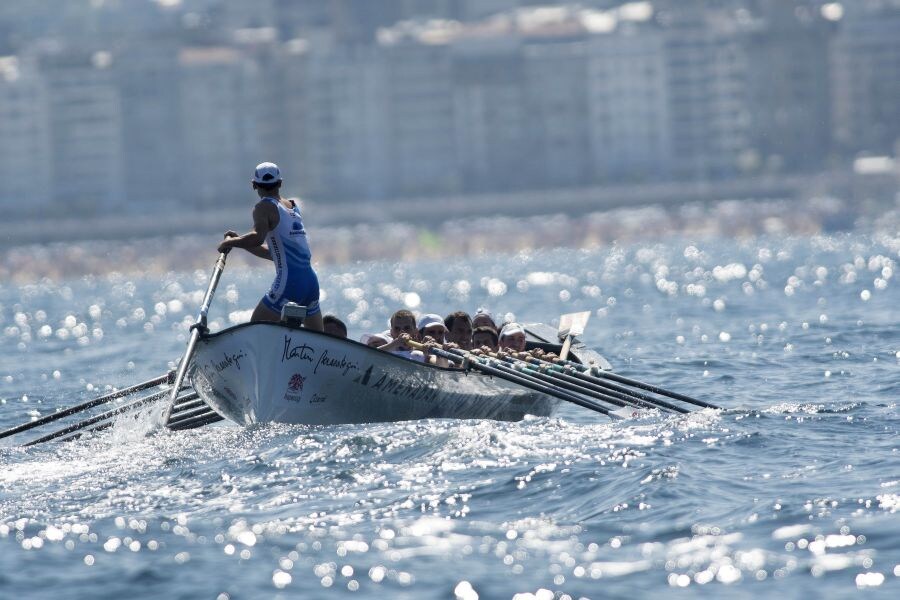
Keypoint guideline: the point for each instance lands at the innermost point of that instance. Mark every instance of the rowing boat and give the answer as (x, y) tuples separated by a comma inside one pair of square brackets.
[(272, 372), (279, 372)]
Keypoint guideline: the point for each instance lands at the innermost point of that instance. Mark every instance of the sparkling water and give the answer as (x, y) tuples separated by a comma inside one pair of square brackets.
[(792, 491)]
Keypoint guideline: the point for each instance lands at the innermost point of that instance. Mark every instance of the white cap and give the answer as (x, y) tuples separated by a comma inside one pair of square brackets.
[(511, 329), (368, 337), (430, 320), (267, 173)]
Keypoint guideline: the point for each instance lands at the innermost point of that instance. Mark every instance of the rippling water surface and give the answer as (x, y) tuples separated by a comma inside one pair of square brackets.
[(793, 490)]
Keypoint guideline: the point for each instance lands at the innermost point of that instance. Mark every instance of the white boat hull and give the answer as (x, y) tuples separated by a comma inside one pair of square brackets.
[(268, 372)]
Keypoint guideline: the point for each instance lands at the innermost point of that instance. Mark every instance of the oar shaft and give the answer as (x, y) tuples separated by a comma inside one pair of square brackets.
[(522, 379), (577, 387), (613, 388), (182, 371), (82, 427), (101, 417), (214, 282), (195, 334), (623, 396), (598, 373), (198, 421), (189, 414), (652, 388), (184, 405), (536, 385), (60, 414)]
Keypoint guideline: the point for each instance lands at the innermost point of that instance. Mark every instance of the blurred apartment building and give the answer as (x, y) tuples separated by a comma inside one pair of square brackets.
[(359, 103), (865, 78), (26, 170), (87, 149)]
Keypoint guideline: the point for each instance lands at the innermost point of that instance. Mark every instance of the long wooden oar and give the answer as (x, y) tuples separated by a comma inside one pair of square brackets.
[(184, 415), (198, 421), (189, 412), (475, 362), (569, 381), (651, 388), (101, 417), (196, 330), (105, 419), (566, 373), (596, 373), (525, 369), (60, 414)]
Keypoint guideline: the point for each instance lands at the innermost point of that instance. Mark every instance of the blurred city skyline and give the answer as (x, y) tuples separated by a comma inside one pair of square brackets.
[(138, 106)]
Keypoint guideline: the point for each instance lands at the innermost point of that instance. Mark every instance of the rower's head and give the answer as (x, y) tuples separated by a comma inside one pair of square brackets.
[(484, 336), (459, 329), (403, 321), (334, 326), (512, 337), (266, 179), (376, 340), (432, 326), (483, 318)]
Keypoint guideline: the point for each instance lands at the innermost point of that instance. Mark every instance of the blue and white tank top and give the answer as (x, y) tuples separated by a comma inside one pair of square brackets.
[(287, 243)]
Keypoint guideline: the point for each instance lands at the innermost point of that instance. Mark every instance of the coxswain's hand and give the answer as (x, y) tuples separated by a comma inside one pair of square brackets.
[(225, 246)]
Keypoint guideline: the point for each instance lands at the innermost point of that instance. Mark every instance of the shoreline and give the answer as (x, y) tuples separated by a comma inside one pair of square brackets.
[(170, 251), (431, 212)]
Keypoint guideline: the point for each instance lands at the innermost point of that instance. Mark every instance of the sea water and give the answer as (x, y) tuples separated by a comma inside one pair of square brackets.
[(792, 491)]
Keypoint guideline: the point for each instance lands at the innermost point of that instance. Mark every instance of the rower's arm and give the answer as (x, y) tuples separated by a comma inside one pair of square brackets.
[(254, 240), (260, 251)]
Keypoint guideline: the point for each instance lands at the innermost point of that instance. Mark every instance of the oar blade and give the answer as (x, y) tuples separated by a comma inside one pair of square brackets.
[(625, 412), (573, 324)]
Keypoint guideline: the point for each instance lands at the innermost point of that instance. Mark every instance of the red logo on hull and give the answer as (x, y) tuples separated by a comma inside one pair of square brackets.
[(296, 383)]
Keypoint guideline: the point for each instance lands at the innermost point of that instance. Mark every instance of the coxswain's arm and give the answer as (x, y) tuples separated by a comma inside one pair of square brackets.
[(254, 240), (261, 251)]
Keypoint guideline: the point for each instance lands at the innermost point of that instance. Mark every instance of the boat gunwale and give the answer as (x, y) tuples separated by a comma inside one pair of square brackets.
[(209, 335)]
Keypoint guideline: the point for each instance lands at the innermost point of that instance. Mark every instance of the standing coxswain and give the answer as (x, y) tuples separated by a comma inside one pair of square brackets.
[(278, 235)]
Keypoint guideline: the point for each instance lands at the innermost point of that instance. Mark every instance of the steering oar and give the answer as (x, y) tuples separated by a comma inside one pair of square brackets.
[(197, 329)]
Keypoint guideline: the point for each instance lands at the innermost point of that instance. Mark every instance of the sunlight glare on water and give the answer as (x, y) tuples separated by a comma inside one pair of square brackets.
[(792, 490)]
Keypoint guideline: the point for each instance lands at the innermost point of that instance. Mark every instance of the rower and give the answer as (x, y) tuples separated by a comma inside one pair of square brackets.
[(278, 235), (432, 326), (485, 337), (334, 326), (483, 318), (433, 332), (403, 330), (376, 340), (459, 329), (512, 337)]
